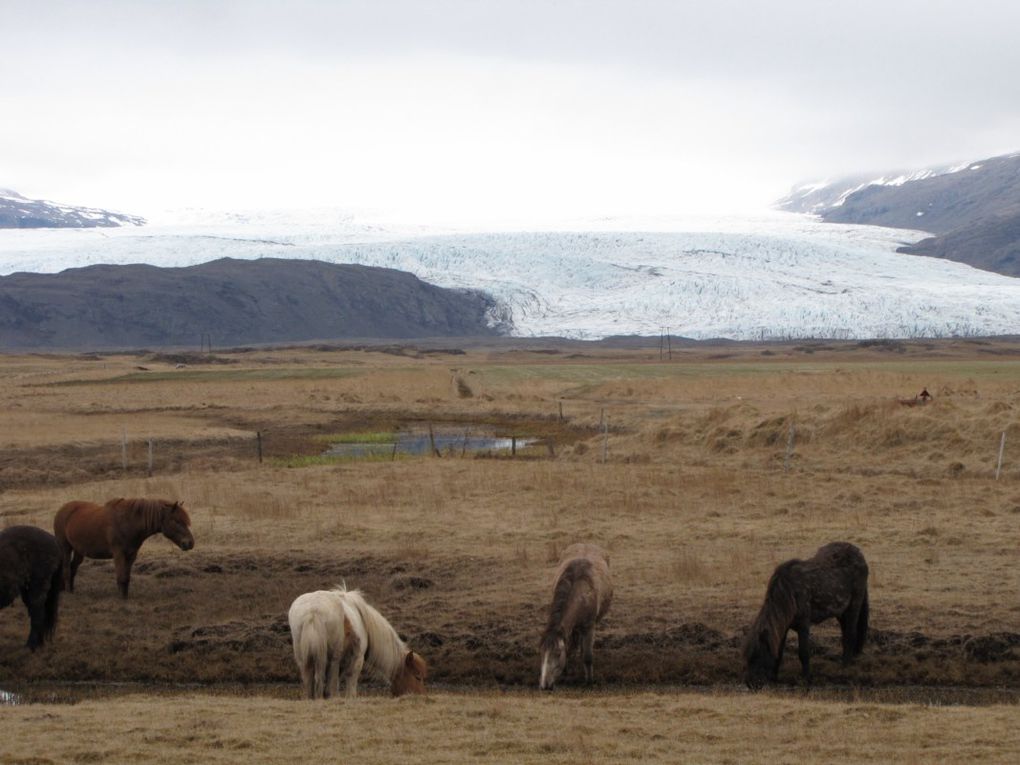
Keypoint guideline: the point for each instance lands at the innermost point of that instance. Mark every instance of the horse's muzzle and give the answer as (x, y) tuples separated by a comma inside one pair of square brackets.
[(186, 544)]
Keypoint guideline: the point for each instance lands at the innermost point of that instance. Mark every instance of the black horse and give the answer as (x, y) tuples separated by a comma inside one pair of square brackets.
[(832, 584), (30, 566)]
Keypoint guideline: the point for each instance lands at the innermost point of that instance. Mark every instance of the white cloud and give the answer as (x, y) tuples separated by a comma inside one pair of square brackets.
[(468, 110)]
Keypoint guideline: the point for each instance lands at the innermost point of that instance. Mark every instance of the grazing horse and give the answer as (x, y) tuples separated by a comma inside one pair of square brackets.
[(832, 584), (581, 597), (116, 530), (30, 566), (336, 632)]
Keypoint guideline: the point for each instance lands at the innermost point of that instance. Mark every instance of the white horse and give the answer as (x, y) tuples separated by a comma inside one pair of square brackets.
[(336, 631)]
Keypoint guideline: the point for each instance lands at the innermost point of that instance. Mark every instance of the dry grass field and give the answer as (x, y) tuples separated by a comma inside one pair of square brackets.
[(692, 486)]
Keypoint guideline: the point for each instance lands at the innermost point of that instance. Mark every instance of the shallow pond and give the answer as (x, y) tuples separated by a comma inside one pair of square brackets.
[(417, 442)]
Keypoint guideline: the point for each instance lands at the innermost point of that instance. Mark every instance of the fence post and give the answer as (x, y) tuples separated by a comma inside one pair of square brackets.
[(123, 449), (605, 439), (513, 446), (1002, 448), (561, 410), (258, 439), (789, 448), (432, 442), (150, 458)]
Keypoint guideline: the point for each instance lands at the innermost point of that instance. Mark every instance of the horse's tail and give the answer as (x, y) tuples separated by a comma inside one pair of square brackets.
[(53, 603), (862, 626), (310, 650)]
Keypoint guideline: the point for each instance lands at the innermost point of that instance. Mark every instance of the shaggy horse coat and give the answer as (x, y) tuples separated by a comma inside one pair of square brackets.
[(337, 632), (30, 566), (582, 595), (116, 530), (832, 584)]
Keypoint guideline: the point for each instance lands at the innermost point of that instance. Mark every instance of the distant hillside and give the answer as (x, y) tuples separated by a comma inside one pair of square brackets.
[(973, 209), (235, 301), (18, 212)]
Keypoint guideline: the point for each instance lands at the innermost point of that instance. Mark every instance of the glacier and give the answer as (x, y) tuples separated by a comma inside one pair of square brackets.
[(774, 275)]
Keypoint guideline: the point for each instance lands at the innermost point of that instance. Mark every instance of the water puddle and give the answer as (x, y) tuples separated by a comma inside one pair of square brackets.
[(447, 440)]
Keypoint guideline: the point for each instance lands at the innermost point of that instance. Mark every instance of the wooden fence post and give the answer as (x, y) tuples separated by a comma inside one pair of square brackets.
[(513, 446), (1002, 448), (789, 448), (432, 442), (123, 449), (258, 439), (605, 439)]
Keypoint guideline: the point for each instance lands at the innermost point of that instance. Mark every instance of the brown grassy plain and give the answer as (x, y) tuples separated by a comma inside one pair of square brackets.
[(694, 503)]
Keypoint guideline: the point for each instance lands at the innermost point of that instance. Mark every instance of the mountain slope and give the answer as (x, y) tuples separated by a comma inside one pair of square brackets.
[(235, 301), (18, 212), (769, 277), (973, 209)]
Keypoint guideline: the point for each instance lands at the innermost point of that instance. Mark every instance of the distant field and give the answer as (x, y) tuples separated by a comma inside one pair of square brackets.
[(683, 469)]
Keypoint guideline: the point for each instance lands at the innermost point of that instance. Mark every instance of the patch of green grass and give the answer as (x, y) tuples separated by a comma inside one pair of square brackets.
[(378, 437), (224, 375)]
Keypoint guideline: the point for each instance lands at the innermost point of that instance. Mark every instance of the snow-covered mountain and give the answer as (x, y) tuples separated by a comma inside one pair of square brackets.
[(774, 276), (18, 212), (973, 209), (819, 197)]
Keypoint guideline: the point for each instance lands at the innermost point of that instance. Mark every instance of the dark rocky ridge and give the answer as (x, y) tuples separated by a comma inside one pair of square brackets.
[(18, 212), (234, 301), (974, 212)]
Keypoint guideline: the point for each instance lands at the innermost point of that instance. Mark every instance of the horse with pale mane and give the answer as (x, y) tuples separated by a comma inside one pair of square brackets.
[(336, 632), (116, 530), (582, 595)]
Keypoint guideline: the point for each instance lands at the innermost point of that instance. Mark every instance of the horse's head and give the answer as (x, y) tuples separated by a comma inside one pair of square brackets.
[(177, 526), (760, 662), (554, 659), (411, 677)]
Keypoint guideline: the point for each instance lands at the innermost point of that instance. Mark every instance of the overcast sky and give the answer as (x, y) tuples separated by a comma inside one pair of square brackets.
[(459, 110)]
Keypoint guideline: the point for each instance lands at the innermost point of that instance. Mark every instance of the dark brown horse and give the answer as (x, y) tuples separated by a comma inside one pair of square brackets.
[(116, 530), (832, 584), (30, 567), (581, 597)]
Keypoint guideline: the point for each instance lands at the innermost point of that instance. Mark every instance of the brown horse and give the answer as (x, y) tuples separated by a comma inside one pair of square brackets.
[(832, 584), (30, 567), (581, 597), (116, 530)]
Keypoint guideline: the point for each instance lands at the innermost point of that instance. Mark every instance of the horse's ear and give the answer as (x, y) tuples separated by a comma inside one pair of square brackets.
[(409, 660)]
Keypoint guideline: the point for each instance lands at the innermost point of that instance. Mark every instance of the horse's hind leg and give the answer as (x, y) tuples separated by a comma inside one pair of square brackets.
[(70, 560), (35, 601), (587, 644), (804, 652), (332, 675), (848, 624)]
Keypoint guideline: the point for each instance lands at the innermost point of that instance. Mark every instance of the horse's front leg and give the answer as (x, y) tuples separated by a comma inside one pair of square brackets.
[(779, 656), (587, 644), (122, 562), (804, 651)]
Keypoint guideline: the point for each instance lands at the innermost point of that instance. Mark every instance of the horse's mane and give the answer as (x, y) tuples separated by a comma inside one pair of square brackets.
[(778, 610), (386, 651), (575, 571), (150, 510)]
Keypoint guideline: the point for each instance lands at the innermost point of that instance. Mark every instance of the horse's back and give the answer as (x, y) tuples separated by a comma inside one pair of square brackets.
[(28, 553), (320, 608), (835, 575), (589, 562)]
